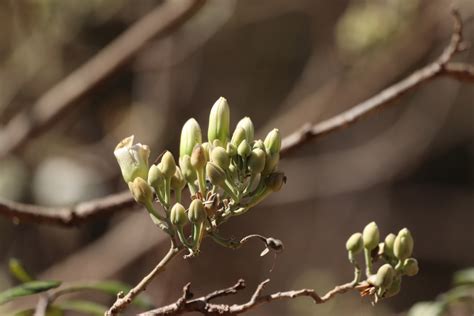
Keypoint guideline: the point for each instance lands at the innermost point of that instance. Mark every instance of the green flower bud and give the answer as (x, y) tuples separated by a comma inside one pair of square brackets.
[(207, 150), (219, 121), (388, 245), (177, 180), (384, 277), (271, 162), (244, 149), (355, 244), (196, 213), (132, 159), (220, 157), (156, 178), (394, 289), (141, 191), (273, 142), (190, 136), (217, 143), (198, 157), (371, 236), (410, 267), (231, 150), (256, 162), (238, 136), (247, 125), (178, 215), (275, 181), (403, 246), (168, 164), (189, 173), (259, 144), (215, 174)]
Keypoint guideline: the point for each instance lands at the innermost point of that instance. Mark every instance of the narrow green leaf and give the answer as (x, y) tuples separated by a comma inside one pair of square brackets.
[(18, 271), (85, 307), (464, 277), (26, 289), (52, 311)]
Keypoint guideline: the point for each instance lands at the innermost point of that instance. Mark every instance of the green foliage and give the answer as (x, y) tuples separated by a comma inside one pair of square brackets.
[(18, 271), (27, 288)]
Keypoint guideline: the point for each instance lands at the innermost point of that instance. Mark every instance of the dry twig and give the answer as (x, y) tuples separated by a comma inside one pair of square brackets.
[(441, 67)]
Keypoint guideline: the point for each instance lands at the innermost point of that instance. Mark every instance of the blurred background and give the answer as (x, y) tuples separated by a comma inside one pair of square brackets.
[(283, 63)]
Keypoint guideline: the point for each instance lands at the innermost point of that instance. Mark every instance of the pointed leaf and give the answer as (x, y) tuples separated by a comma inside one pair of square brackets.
[(18, 271), (26, 289)]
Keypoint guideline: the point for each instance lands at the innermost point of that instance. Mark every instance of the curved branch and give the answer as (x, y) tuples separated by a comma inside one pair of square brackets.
[(441, 67), (185, 304)]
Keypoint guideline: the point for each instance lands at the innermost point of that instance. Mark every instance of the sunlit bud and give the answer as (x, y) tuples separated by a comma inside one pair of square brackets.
[(189, 173), (231, 150), (388, 245), (394, 289), (410, 267), (275, 181), (215, 174), (244, 149), (371, 236), (220, 157), (141, 191), (384, 277), (190, 136), (178, 215), (198, 157), (355, 244), (132, 159), (238, 136), (271, 162), (247, 125), (196, 213), (256, 162), (259, 144), (403, 246), (156, 178), (273, 141), (207, 150), (177, 180), (219, 121), (168, 164)]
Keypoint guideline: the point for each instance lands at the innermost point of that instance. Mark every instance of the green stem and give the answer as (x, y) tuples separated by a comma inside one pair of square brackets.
[(167, 192), (183, 238), (197, 235), (201, 181), (228, 243), (178, 195), (230, 192), (368, 262)]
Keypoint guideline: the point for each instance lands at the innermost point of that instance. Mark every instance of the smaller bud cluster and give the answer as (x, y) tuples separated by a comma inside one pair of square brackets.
[(226, 176), (395, 252)]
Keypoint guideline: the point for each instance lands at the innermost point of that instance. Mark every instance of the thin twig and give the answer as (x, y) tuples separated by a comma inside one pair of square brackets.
[(202, 305), (64, 95), (124, 300), (441, 67)]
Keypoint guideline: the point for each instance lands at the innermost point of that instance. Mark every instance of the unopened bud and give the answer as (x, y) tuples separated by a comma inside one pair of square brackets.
[(371, 236), (259, 144), (156, 178), (275, 181), (231, 150), (384, 277), (403, 246), (410, 267), (198, 157), (196, 213), (394, 289), (207, 150), (256, 162), (132, 159), (388, 245), (271, 162), (178, 215), (190, 136), (215, 174), (273, 141), (247, 125), (177, 180), (220, 157), (244, 149), (168, 164), (219, 121), (355, 244), (141, 191), (189, 173), (238, 136)]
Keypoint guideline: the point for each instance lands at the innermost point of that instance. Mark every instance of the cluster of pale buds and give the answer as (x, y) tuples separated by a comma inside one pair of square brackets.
[(226, 176)]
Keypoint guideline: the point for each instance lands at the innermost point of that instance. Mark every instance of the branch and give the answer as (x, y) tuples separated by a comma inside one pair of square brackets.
[(64, 95), (124, 300), (185, 304), (441, 67)]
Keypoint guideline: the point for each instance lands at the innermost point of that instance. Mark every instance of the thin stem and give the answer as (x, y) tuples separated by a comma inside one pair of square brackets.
[(368, 262), (124, 300), (201, 181)]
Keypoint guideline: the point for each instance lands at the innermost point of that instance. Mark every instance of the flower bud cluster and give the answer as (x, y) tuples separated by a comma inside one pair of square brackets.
[(226, 176), (394, 250)]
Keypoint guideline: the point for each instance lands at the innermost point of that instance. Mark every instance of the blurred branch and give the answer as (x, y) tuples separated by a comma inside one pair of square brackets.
[(185, 304), (63, 96), (441, 67)]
